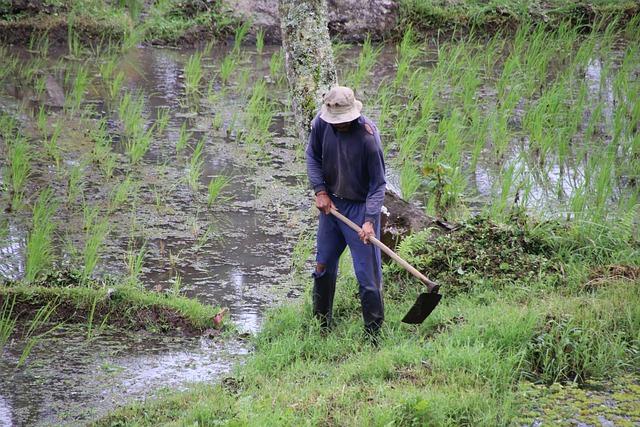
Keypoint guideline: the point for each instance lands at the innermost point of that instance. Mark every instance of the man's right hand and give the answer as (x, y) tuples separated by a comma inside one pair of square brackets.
[(324, 203)]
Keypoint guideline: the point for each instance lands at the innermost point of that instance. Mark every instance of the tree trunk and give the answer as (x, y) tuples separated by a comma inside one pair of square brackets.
[(308, 57)]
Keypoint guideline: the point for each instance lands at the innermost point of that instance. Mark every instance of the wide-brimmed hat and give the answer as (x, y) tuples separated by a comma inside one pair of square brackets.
[(340, 106)]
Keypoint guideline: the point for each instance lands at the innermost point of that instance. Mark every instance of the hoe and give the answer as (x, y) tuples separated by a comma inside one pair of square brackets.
[(426, 301)]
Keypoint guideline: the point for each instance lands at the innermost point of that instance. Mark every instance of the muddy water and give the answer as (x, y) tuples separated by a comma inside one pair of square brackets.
[(234, 254)]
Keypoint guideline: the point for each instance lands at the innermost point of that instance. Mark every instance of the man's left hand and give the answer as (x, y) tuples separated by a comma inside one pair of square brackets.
[(367, 231)]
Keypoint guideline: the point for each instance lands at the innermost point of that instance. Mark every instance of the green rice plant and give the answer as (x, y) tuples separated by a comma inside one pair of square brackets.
[(408, 51), (240, 34), (115, 85), (193, 74), (138, 145), (9, 65), (75, 183), (108, 68), (243, 80), (39, 248), (102, 153), (51, 145), (215, 187), (367, 59), (39, 43), (80, 85), (130, 111), (227, 67), (135, 262), (259, 115), (276, 66), (40, 319), (74, 45), (410, 180), (122, 193), (162, 120), (19, 156), (95, 235), (183, 138), (196, 165), (42, 121), (260, 41), (7, 321)]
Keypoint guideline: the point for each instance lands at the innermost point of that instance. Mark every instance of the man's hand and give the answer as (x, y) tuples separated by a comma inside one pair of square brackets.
[(367, 231), (324, 203)]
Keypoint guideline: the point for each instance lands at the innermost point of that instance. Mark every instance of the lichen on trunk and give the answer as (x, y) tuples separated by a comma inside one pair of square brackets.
[(309, 57)]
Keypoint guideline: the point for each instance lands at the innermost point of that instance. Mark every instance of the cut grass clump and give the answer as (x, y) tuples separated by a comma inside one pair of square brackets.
[(480, 253)]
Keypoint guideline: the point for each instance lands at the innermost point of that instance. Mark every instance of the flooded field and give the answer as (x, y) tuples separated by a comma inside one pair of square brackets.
[(173, 169)]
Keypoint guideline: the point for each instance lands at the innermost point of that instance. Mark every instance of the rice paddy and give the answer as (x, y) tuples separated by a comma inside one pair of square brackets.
[(173, 170)]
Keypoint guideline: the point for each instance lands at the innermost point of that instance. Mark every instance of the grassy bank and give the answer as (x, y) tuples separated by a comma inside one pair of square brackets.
[(431, 16), (104, 23), (99, 305), (470, 363)]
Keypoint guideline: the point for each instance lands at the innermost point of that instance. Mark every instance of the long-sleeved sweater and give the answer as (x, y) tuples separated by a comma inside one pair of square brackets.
[(348, 164)]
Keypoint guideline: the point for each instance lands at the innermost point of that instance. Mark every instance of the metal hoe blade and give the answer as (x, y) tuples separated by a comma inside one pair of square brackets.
[(422, 308)]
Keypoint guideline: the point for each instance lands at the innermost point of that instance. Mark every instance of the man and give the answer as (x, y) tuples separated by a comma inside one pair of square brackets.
[(346, 169)]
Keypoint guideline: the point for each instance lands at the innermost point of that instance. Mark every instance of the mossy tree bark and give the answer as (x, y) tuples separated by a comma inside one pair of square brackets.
[(308, 57)]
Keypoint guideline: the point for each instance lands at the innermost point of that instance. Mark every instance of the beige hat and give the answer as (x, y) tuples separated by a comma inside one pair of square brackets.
[(340, 106)]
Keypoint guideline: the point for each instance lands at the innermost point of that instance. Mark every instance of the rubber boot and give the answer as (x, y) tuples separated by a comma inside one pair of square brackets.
[(324, 288)]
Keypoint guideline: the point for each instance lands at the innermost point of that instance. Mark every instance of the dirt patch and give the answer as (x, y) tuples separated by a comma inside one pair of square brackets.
[(604, 275)]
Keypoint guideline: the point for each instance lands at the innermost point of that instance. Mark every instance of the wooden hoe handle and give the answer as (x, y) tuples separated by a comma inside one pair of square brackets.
[(384, 248)]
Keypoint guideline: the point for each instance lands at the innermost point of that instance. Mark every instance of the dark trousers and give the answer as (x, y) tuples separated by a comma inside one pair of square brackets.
[(333, 237)]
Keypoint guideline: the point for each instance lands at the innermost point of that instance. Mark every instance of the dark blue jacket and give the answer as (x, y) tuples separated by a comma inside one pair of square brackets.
[(348, 164)]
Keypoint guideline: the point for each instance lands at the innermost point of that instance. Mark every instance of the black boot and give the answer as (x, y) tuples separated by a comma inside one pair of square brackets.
[(324, 288)]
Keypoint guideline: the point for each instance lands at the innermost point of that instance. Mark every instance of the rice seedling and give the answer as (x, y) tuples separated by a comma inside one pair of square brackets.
[(367, 59), (260, 41), (96, 232), (408, 51), (115, 85), (138, 145), (42, 121), (102, 153), (240, 34), (183, 138), (19, 156), (410, 180), (39, 247), (51, 145), (215, 187), (80, 85), (227, 67), (74, 45), (39, 43), (259, 115), (130, 111), (276, 66), (122, 193), (7, 321), (135, 262), (196, 165), (162, 120), (75, 183), (40, 319), (193, 74)]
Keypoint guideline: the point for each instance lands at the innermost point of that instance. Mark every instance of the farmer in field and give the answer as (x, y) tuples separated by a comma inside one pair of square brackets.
[(346, 168)]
